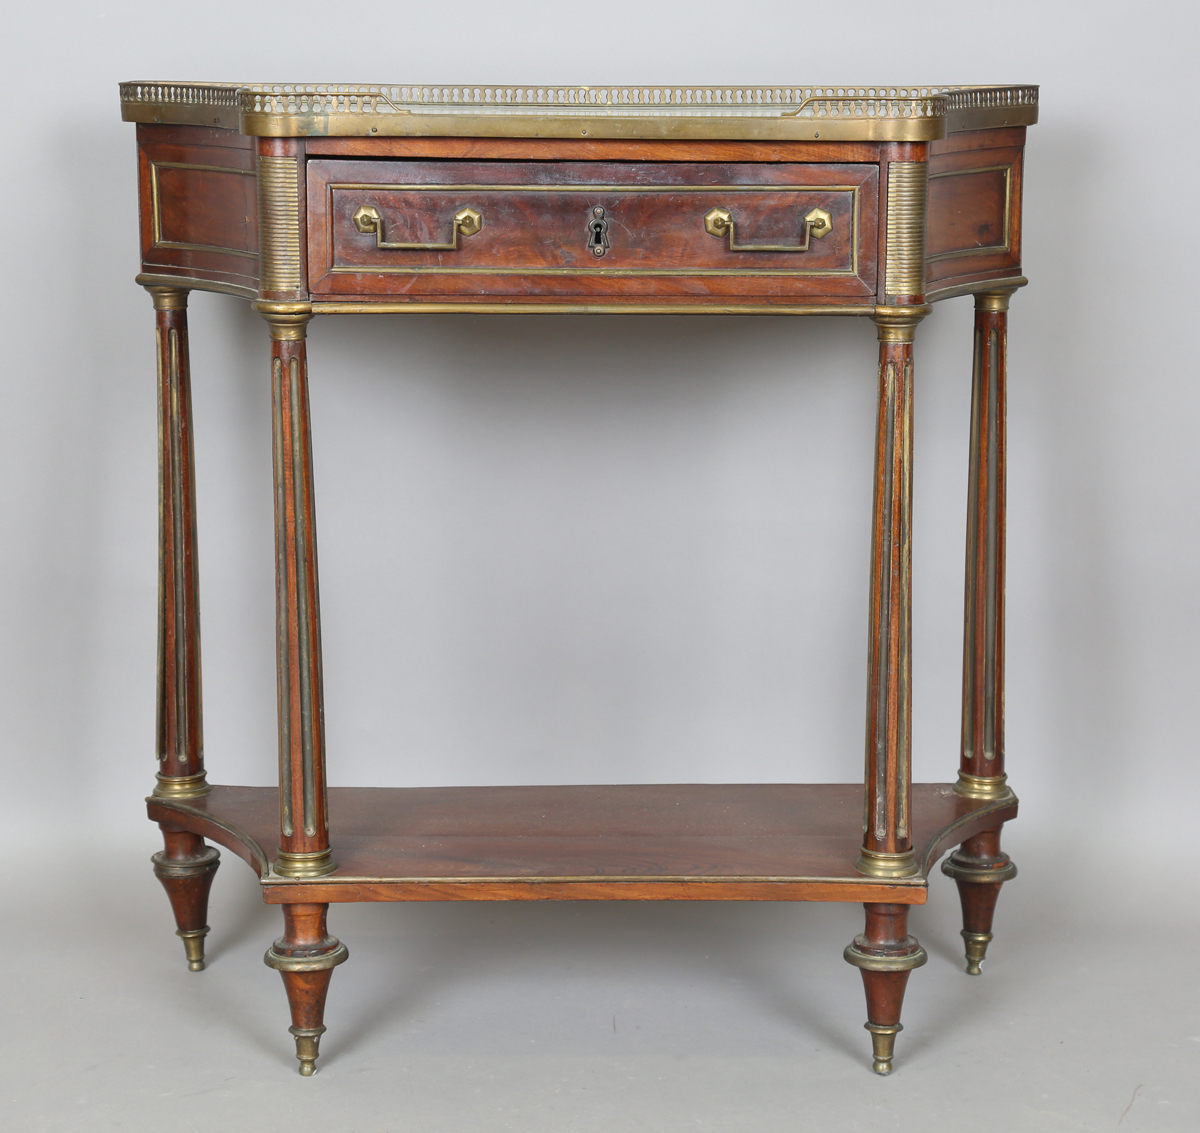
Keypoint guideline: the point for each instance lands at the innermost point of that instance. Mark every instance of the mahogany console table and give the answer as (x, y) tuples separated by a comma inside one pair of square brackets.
[(319, 200)]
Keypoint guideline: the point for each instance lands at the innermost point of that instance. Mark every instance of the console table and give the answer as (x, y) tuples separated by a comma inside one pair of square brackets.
[(322, 200)]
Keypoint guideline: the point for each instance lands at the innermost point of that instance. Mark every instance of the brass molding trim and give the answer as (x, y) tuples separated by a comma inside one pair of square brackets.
[(907, 196), (769, 112), (960, 871), (991, 249), (593, 189), (881, 864), (279, 223), (156, 209), (908, 882), (304, 865), (872, 962), (1009, 283), (992, 787), (355, 307), (321, 963), (181, 786)]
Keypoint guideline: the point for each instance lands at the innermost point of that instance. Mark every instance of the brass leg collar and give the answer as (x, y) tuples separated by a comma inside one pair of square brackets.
[(990, 787), (308, 1041), (193, 946), (877, 863), (984, 873), (977, 944), (181, 786), (316, 863), (877, 962), (282, 962), (208, 859), (883, 1045)]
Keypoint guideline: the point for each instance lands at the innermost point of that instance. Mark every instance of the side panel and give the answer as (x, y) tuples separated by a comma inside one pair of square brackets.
[(199, 210), (974, 232)]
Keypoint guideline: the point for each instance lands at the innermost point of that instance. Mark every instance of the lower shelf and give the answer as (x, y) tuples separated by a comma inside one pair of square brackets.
[(717, 842)]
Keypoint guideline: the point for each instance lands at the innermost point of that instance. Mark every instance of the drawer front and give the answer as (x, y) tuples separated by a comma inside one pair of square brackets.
[(511, 231)]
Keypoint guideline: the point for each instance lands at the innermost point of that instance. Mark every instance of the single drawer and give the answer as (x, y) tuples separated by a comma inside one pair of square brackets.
[(512, 231)]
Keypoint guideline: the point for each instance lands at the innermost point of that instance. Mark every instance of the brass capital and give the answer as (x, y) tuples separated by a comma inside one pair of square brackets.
[(993, 300), (169, 298), (288, 322), (879, 863), (312, 863), (897, 324)]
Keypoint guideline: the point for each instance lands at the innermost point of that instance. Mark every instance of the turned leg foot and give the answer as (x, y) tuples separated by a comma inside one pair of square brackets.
[(885, 954), (979, 868), (186, 868), (305, 956)]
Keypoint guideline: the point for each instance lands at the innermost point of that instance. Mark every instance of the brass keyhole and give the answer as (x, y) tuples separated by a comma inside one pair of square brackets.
[(598, 232)]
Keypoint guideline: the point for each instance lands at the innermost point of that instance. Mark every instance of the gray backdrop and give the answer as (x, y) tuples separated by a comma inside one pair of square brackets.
[(569, 549)]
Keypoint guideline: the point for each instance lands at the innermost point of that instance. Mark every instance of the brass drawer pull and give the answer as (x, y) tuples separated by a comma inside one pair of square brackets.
[(719, 222), (466, 223)]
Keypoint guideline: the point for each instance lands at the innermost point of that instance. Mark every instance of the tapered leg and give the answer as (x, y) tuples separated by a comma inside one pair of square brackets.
[(186, 868), (305, 956), (978, 865), (885, 954)]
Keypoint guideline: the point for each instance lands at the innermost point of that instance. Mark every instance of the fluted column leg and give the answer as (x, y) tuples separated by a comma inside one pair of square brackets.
[(304, 820), (887, 845), (186, 865), (979, 866)]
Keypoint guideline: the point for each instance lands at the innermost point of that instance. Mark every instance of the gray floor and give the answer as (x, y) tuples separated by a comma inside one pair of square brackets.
[(583, 1017)]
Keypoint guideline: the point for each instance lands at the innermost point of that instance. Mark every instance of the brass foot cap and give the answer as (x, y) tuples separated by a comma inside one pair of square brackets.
[(308, 1040), (977, 945), (883, 1045)]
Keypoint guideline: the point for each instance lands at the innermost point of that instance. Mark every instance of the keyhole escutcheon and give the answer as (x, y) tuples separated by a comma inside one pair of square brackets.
[(598, 231)]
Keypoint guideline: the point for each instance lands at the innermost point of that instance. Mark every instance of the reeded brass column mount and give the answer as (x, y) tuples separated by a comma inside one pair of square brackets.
[(719, 222), (467, 221)]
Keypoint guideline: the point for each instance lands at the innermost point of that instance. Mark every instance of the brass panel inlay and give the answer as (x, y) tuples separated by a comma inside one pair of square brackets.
[(907, 194), (605, 188), (156, 209), (279, 223), (1004, 245)]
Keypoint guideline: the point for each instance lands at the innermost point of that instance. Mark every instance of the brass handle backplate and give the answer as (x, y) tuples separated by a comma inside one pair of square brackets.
[(467, 221), (719, 222)]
